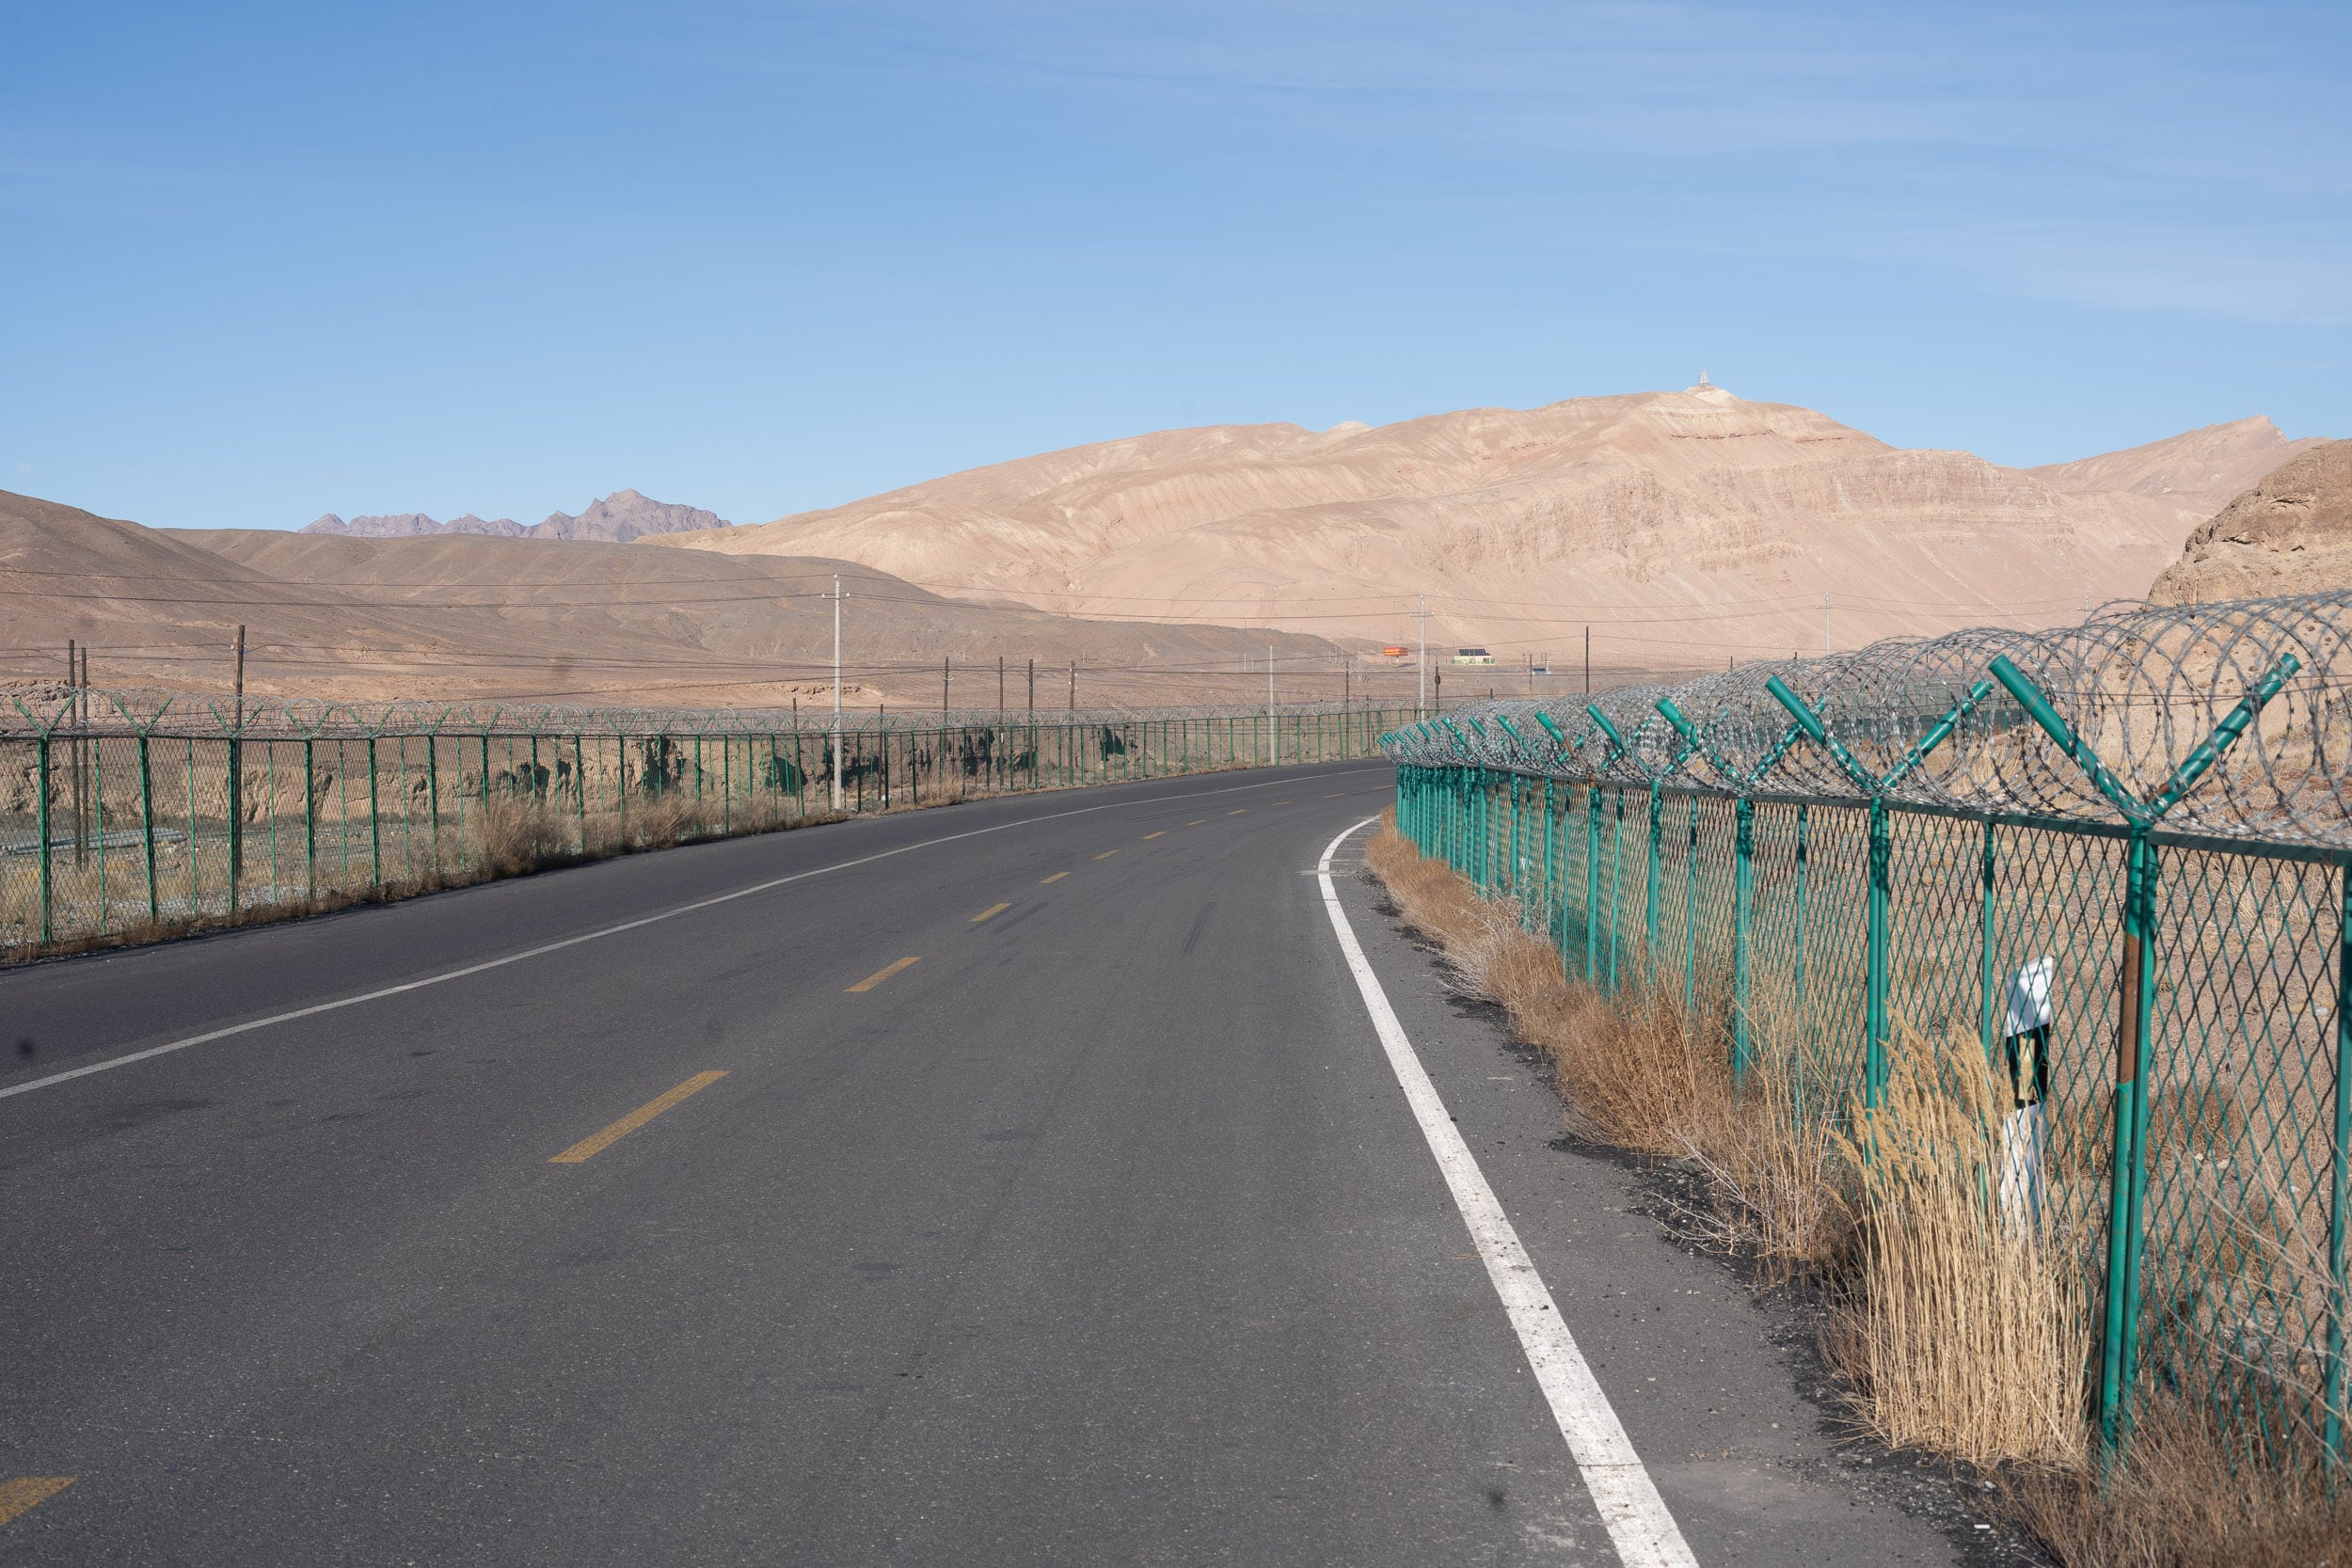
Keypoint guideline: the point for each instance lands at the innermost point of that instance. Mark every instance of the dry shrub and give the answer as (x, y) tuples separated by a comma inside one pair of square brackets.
[(2186, 1497), (1773, 1170), (514, 835), (1969, 1329)]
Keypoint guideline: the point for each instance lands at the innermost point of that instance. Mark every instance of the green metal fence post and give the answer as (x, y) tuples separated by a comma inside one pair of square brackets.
[(1691, 911), (41, 825), (1592, 885), (433, 795), (309, 816), (1874, 1025), (236, 822), (376, 823), (1616, 881), (1551, 890), (2340, 1182), (146, 826), (1649, 905), (1743, 904), (1988, 883)]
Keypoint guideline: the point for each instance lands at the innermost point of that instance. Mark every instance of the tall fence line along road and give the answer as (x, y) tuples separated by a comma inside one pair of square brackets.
[(140, 812), (2117, 858)]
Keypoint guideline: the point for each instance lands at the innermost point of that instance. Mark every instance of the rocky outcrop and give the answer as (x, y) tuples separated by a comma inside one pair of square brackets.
[(617, 518), (2292, 533)]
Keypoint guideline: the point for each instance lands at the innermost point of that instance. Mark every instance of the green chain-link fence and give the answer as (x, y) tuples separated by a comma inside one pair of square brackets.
[(135, 813), (2113, 857)]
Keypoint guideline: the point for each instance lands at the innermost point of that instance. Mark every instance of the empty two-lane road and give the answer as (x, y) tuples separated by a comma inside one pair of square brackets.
[(1017, 1184)]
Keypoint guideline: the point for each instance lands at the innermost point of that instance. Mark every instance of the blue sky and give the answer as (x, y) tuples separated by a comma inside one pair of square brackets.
[(264, 262)]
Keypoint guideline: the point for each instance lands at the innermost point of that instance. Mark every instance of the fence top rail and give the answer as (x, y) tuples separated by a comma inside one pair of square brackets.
[(32, 709), (2149, 692)]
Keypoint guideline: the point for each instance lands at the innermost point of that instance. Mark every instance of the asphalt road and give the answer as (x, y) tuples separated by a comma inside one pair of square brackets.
[(1099, 1233)]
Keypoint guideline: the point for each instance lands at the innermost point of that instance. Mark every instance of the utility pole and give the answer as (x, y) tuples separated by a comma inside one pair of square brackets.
[(1588, 661), (1347, 681), (836, 692), (1421, 699), (1000, 685), (1033, 688), (945, 664), (1269, 703), (1073, 685)]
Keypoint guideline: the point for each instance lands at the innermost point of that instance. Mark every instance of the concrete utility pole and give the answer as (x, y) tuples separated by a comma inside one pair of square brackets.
[(946, 666), (837, 691), (1033, 687), (1073, 685), (1000, 683), (1421, 699)]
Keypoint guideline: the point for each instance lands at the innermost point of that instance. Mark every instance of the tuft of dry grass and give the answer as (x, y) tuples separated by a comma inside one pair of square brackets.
[(2187, 1498), (513, 837), (1967, 1330)]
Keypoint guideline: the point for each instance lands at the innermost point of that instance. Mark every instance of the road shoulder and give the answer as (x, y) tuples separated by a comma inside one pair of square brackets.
[(1717, 1386)]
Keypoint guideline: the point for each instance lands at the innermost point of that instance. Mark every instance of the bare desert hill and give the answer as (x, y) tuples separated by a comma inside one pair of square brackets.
[(1684, 527), (2291, 533), (462, 616), (2199, 471)]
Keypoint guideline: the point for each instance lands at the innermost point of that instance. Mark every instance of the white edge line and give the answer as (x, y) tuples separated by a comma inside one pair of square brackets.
[(1644, 1531), (544, 948)]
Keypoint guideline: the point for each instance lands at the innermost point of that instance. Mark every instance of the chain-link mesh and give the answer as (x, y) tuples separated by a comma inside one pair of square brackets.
[(132, 812), (2112, 858)]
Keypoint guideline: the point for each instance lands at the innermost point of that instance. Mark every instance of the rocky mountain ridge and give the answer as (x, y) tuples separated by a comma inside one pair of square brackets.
[(617, 518)]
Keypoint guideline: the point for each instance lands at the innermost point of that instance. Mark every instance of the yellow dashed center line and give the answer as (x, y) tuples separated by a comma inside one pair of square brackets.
[(1149, 837), (993, 908), (1286, 803), (1055, 878), (1237, 811), (29, 1491), (635, 1120), (880, 974), (1106, 854), (1196, 822)]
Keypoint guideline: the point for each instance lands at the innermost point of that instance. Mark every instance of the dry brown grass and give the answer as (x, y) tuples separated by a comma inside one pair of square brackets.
[(1965, 1333), (2185, 1499)]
